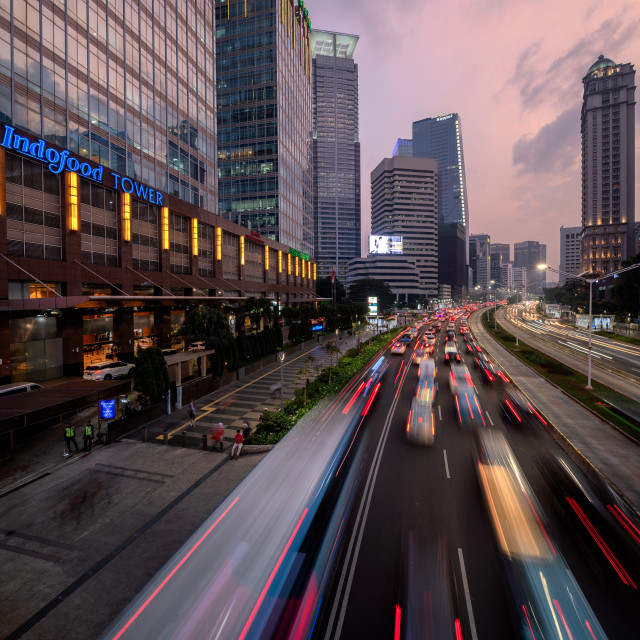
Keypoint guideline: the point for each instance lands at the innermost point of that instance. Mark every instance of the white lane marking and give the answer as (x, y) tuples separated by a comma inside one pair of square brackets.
[(465, 584), (351, 557), (489, 417), (439, 413), (446, 464)]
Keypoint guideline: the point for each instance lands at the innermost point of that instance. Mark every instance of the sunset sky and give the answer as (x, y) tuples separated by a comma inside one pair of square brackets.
[(513, 70)]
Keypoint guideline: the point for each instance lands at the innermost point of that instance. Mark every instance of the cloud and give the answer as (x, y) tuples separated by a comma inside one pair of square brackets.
[(554, 148)]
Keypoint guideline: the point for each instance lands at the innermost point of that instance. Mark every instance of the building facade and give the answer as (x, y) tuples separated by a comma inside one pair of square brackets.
[(500, 255), (452, 258), (608, 166), (403, 147), (480, 256), (264, 118), (529, 255), (404, 194), (108, 224), (336, 152), (441, 138), (570, 260), (506, 275)]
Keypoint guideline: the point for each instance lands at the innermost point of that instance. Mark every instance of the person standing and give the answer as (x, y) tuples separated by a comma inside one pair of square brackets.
[(246, 430), (69, 437), (88, 436), (237, 444)]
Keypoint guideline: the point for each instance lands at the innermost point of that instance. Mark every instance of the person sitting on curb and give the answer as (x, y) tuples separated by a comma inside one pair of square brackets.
[(237, 445)]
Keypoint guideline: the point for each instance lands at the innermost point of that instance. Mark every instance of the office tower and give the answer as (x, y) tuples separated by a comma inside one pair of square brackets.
[(108, 183), (608, 165), (451, 258), (441, 138), (519, 275), (403, 147), (263, 80), (500, 255), (529, 255), (506, 275), (404, 196), (336, 152), (480, 252), (570, 261), (398, 271)]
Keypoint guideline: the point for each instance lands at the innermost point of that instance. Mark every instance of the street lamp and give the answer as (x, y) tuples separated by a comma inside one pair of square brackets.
[(495, 308), (590, 281)]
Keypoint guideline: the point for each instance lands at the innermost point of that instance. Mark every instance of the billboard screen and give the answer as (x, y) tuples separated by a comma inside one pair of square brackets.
[(372, 301), (385, 244)]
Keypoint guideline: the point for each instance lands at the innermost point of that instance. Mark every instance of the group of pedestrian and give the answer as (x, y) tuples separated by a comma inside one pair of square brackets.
[(70, 437)]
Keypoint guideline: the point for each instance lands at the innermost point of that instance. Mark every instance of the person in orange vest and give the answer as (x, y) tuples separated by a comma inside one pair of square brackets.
[(237, 444), (69, 437)]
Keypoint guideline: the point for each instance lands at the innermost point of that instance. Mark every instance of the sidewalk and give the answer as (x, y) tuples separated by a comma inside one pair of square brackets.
[(606, 450), (232, 405)]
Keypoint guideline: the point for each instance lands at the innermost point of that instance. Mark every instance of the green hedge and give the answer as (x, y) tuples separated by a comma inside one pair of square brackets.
[(273, 425)]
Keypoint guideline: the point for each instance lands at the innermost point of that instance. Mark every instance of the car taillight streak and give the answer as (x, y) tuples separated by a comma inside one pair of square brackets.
[(625, 522)]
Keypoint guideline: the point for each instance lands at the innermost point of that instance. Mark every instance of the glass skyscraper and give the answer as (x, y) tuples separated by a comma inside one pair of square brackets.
[(128, 84), (265, 169), (441, 138), (336, 152)]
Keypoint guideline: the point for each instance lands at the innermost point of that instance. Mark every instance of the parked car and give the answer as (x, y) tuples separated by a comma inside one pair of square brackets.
[(197, 346), (107, 370), (15, 388)]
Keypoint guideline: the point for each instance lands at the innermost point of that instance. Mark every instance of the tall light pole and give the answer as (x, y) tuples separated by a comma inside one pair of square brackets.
[(590, 281), (495, 308)]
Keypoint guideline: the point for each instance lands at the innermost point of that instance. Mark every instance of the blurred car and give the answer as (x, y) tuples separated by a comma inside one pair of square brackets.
[(488, 368), (107, 370), (467, 406), (450, 335), (421, 425), (437, 327), (169, 352), (451, 353), (406, 338), (547, 601), (197, 346), (518, 408), (419, 352), (398, 348)]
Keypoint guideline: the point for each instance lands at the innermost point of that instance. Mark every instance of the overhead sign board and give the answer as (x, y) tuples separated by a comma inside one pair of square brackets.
[(108, 409)]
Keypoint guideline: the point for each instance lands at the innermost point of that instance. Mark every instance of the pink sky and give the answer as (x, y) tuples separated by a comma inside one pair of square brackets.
[(513, 70)]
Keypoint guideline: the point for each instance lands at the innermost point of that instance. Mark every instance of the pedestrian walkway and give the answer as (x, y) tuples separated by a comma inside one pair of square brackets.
[(245, 399), (605, 449)]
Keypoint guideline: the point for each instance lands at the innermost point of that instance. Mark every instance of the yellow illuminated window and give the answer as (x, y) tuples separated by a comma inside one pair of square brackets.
[(288, 264), (194, 236), (72, 199), (126, 216), (314, 270), (304, 269), (266, 258), (165, 228), (297, 267), (218, 243), (241, 250), (279, 261)]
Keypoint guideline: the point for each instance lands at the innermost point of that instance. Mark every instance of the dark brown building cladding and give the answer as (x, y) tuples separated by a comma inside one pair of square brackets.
[(89, 271)]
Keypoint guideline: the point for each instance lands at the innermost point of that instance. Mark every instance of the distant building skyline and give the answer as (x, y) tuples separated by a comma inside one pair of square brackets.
[(570, 260), (607, 125), (479, 258), (528, 255), (336, 152)]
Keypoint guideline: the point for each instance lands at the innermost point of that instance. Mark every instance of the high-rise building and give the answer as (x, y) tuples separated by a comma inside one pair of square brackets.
[(529, 255), (404, 195), (480, 252), (452, 258), (519, 275), (500, 255), (403, 147), (608, 165), (441, 138), (506, 275), (263, 80), (108, 185), (336, 152), (570, 262)]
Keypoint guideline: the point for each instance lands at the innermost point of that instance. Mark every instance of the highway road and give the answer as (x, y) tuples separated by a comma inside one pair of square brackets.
[(429, 498), (611, 354)]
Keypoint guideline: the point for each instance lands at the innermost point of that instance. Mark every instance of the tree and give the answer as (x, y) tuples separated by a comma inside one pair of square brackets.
[(626, 291), (150, 375), (361, 289), (206, 324), (332, 348), (307, 365), (324, 290)]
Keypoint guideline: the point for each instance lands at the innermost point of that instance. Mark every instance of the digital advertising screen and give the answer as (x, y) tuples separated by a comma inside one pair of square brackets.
[(385, 244)]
